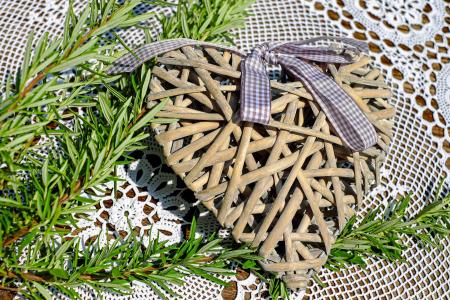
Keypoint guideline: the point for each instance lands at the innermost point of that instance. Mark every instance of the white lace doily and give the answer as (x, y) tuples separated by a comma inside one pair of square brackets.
[(409, 42)]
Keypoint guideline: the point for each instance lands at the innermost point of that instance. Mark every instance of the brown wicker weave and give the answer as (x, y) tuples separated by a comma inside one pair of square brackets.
[(288, 187)]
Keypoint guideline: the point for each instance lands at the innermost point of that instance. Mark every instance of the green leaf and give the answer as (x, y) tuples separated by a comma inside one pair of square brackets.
[(11, 203), (185, 26), (146, 84), (249, 264), (24, 129), (67, 21), (42, 290), (318, 281), (26, 59), (106, 109), (45, 175), (99, 161), (94, 11), (207, 4), (115, 92), (77, 30), (148, 116), (17, 142), (116, 272), (201, 273), (59, 273), (210, 246), (73, 62), (107, 10), (86, 47), (46, 63), (207, 22), (235, 253), (125, 46), (40, 46), (138, 19)]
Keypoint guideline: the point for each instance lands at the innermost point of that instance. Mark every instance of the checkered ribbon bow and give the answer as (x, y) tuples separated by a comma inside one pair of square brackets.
[(344, 114)]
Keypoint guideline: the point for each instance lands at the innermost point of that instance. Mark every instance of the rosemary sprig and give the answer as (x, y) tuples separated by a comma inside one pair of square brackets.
[(42, 90), (66, 267), (42, 103), (383, 236), (206, 20), (61, 95)]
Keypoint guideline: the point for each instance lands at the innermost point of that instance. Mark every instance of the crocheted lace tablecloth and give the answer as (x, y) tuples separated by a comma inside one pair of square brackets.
[(409, 40)]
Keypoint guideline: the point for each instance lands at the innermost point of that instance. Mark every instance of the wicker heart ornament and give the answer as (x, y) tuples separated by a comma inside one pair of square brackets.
[(287, 187)]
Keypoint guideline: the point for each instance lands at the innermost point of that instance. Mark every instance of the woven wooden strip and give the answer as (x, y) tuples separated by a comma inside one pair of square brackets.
[(288, 187)]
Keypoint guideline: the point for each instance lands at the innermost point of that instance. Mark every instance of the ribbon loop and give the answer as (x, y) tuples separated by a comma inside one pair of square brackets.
[(348, 120)]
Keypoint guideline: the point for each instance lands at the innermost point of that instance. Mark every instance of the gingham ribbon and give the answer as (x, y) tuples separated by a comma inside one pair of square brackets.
[(348, 120), (131, 61)]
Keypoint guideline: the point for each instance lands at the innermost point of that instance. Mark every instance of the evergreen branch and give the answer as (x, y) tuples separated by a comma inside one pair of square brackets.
[(80, 30), (90, 163), (96, 120), (206, 20), (81, 43), (384, 236), (115, 266)]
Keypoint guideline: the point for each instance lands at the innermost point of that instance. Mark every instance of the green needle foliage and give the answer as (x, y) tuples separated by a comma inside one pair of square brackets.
[(64, 128), (42, 107), (383, 235), (206, 20), (65, 266)]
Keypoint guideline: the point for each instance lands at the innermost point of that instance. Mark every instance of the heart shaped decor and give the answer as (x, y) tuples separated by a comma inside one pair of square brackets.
[(287, 187)]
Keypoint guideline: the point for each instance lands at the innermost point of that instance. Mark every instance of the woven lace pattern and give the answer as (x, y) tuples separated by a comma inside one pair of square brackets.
[(409, 42)]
